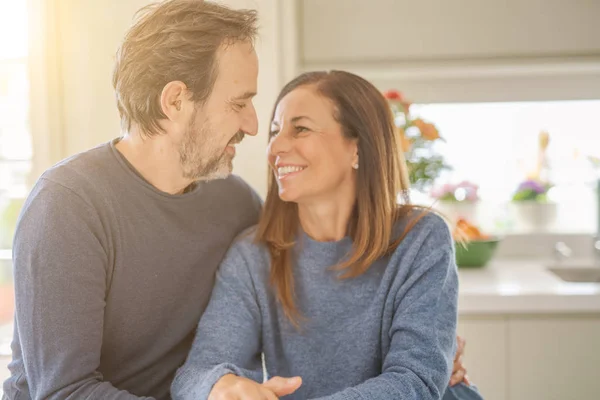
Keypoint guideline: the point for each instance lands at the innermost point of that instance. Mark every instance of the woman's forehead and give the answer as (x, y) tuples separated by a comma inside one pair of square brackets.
[(303, 101)]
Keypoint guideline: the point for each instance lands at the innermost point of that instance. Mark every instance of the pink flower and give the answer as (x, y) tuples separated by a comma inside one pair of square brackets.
[(464, 191)]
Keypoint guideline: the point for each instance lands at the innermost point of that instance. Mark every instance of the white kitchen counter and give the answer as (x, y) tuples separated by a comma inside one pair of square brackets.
[(523, 287)]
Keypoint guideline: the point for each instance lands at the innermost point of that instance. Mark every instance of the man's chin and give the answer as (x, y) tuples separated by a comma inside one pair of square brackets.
[(221, 173), (215, 176)]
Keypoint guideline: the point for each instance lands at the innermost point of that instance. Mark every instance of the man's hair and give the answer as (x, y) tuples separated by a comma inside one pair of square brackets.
[(175, 40)]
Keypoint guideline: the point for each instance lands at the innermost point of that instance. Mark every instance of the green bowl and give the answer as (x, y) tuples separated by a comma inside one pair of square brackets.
[(476, 253)]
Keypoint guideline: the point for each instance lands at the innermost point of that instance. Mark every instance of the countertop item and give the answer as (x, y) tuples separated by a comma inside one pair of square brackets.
[(524, 286)]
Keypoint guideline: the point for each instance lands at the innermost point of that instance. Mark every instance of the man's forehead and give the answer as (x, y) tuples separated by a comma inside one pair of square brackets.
[(238, 71), (238, 59)]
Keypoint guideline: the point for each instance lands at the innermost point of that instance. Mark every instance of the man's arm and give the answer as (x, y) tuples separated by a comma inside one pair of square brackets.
[(60, 285), (228, 336)]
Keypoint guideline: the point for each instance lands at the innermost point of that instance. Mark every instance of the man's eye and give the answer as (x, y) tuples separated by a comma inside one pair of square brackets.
[(300, 129), (239, 106), (273, 133)]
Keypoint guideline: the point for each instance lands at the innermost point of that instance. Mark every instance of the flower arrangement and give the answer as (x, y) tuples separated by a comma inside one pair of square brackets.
[(535, 187), (416, 137), (532, 190), (464, 191)]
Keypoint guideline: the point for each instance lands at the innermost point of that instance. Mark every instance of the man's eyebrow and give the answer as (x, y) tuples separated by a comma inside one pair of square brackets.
[(245, 96)]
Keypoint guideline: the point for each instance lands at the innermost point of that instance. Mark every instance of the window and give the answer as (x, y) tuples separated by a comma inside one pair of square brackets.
[(495, 145), (15, 152)]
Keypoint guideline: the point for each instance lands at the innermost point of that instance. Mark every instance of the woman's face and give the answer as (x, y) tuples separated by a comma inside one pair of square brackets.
[(309, 155)]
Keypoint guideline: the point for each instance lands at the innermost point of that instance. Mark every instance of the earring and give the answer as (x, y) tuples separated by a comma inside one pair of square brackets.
[(355, 166)]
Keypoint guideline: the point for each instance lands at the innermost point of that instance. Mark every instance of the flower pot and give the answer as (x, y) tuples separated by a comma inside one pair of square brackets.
[(454, 210), (533, 216)]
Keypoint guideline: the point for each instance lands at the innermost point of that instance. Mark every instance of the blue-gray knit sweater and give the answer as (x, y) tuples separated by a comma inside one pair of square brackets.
[(387, 334)]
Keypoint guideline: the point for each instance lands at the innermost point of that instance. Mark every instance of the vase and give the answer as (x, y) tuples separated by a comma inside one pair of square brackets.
[(533, 216), (455, 210)]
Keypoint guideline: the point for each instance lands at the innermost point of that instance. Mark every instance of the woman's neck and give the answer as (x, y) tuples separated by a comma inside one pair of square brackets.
[(327, 220)]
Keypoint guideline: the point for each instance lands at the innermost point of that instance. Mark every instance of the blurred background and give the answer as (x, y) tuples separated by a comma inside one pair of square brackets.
[(498, 107)]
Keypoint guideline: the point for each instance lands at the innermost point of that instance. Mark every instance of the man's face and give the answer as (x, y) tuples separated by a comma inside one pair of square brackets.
[(208, 144)]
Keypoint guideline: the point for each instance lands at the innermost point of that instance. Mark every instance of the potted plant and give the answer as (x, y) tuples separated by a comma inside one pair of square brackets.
[(457, 201), (531, 208), (473, 248), (530, 204), (417, 138)]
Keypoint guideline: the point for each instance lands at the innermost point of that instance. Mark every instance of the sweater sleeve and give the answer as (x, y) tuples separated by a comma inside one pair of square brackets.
[(228, 336), (419, 361), (60, 285)]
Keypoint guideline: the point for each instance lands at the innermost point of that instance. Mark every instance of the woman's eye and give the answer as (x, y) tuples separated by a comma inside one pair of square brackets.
[(273, 133), (301, 129)]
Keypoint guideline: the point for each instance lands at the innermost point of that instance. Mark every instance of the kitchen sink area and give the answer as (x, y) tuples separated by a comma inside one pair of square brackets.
[(586, 271), (577, 273)]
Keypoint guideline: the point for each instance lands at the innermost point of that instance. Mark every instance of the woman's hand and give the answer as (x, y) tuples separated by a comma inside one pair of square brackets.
[(459, 370), (232, 387)]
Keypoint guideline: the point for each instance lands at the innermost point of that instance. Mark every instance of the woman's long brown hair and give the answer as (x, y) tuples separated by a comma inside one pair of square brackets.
[(364, 115)]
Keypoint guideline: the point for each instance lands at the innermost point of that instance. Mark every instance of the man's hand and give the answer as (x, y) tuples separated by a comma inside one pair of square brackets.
[(459, 371), (232, 387)]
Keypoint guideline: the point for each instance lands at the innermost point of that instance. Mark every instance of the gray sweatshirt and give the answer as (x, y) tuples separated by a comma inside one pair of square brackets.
[(112, 276), (387, 334)]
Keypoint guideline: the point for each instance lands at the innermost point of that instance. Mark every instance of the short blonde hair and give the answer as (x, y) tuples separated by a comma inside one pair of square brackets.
[(175, 40)]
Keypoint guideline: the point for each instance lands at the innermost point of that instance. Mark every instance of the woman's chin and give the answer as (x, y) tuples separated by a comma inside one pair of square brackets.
[(288, 195), (287, 198)]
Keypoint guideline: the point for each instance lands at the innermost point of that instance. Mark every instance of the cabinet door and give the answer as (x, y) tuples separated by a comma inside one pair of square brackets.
[(485, 354), (554, 357), (437, 31)]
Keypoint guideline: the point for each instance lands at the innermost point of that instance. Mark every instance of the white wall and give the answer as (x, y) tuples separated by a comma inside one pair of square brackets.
[(74, 107), (250, 161)]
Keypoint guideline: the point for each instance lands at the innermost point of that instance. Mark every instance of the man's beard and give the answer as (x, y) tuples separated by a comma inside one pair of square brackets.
[(200, 156)]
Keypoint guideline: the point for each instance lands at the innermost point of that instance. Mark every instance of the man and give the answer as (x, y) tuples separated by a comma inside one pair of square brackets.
[(116, 248)]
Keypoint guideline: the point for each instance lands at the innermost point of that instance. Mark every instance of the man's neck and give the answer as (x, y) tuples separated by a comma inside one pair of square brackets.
[(156, 160)]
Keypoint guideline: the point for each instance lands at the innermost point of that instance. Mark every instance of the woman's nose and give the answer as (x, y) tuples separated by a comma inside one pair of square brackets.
[(280, 143)]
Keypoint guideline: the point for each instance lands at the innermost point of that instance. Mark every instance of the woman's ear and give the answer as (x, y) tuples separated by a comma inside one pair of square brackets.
[(355, 160)]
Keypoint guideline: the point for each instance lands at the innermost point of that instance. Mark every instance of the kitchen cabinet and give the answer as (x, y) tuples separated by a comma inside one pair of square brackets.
[(486, 354), (533, 357), (456, 51), (554, 357), (418, 31)]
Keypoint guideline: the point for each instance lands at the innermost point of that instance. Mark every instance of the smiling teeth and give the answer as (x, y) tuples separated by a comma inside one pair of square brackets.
[(288, 170)]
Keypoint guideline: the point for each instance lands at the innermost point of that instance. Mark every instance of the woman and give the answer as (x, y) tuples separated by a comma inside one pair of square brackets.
[(338, 284)]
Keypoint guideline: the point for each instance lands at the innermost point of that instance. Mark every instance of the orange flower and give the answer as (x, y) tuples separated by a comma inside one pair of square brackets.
[(419, 123), (428, 131)]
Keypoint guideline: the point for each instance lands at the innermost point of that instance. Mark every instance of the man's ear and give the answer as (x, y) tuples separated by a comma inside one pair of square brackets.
[(173, 100)]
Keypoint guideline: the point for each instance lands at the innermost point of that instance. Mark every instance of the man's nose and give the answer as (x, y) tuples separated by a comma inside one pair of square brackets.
[(250, 122)]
